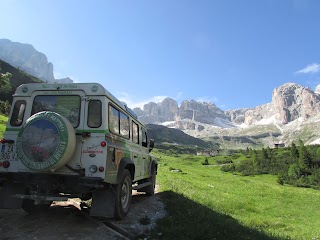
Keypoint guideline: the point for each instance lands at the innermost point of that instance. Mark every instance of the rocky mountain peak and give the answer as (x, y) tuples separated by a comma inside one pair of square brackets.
[(204, 112), (317, 89), (27, 58), (292, 101)]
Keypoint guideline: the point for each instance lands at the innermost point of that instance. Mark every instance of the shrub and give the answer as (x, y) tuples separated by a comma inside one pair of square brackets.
[(224, 161), (206, 162), (228, 168), (5, 107), (281, 179)]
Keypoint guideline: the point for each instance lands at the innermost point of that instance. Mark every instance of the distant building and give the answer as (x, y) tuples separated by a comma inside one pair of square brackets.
[(279, 145)]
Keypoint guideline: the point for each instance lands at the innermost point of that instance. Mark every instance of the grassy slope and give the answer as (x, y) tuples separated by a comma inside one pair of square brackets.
[(3, 121), (18, 77), (255, 205)]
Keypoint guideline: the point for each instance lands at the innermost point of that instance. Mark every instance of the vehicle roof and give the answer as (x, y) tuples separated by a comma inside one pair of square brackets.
[(90, 89)]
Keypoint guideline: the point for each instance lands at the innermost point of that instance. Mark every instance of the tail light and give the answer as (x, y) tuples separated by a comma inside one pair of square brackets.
[(6, 141), (6, 164)]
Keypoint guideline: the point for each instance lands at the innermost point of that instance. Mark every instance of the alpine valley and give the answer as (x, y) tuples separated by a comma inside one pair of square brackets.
[(293, 113)]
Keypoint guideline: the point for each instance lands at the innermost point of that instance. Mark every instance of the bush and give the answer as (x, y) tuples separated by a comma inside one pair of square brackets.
[(206, 162), (228, 168), (224, 161), (5, 108), (281, 178)]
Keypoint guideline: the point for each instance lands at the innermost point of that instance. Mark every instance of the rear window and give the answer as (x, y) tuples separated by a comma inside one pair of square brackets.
[(94, 114), (18, 113), (67, 106)]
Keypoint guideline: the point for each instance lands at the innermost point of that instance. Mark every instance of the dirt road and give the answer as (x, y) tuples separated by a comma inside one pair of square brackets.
[(64, 220)]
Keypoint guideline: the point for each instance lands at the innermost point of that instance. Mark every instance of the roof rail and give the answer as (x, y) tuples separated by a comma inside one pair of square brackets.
[(129, 110)]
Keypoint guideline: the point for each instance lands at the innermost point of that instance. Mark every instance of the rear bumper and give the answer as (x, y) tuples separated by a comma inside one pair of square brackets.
[(46, 182)]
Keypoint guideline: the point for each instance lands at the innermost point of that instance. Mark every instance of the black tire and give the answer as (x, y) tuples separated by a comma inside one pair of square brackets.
[(123, 195), (29, 206), (151, 189)]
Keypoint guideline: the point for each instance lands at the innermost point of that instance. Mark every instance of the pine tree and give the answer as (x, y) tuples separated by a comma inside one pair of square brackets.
[(294, 151), (4, 81), (304, 157), (269, 152)]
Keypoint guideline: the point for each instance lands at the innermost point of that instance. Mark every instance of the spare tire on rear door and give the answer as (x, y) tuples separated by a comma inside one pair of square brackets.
[(46, 142)]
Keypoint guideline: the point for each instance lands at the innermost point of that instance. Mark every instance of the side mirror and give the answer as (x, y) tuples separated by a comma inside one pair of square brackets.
[(151, 144)]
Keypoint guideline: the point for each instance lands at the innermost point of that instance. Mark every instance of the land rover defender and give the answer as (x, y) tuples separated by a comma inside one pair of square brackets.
[(73, 141)]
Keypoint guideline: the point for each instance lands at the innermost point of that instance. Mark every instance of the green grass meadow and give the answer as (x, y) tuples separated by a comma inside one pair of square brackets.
[(205, 203), (3, 121)]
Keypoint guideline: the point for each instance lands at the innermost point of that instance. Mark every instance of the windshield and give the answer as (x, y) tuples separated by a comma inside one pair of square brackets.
[(67, 106)]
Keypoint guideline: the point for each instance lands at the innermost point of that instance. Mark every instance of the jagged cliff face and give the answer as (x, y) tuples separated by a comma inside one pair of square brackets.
[(168, 108), (259, 113), (292, 101), (289, 102), (237, 115), (27, 58), (293, 112), (169, 111), (203, 112)]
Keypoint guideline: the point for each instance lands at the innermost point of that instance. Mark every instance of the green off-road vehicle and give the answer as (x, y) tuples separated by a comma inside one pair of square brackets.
[(73, 141)]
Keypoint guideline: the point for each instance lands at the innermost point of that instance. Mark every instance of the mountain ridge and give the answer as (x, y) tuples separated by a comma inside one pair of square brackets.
[(25, 57), (293, 109)]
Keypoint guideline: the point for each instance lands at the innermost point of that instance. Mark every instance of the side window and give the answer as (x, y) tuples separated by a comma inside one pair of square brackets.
[(124, 125), (113, 120), (18, 113), (94, 114), (135, 132), (119, 122), (144, 138)]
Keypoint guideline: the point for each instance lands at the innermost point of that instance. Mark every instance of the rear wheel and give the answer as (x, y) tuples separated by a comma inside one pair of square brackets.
[(123, 195), (30, 207), (150, 190)]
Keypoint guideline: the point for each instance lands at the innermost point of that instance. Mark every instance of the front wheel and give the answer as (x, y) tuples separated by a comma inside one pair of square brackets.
[(123, 195)]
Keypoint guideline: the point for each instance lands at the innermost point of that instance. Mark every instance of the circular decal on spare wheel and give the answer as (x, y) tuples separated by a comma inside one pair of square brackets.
[(46, 142)]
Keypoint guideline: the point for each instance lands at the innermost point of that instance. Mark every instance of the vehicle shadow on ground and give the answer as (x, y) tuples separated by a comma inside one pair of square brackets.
[(190, 220)]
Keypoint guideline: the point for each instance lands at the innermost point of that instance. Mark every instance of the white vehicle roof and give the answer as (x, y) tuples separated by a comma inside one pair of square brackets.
[(90, 89)]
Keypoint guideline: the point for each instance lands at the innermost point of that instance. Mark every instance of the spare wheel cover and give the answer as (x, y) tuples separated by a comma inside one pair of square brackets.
[(46, 142)]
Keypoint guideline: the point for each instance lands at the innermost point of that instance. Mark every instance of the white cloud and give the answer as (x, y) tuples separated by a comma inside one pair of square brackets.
[(133, 103), (124, 97), (214, 100), (312, 68), (208, 99)]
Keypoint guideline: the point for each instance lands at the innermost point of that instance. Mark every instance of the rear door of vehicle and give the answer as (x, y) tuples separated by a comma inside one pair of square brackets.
[(93, 152), (71, 105)]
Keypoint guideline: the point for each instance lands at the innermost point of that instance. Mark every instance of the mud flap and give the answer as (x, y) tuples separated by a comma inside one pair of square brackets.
[(7, 193), (103, 203)]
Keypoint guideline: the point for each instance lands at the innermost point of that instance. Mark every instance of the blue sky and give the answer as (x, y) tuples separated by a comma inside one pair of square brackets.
[(229, 52)]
